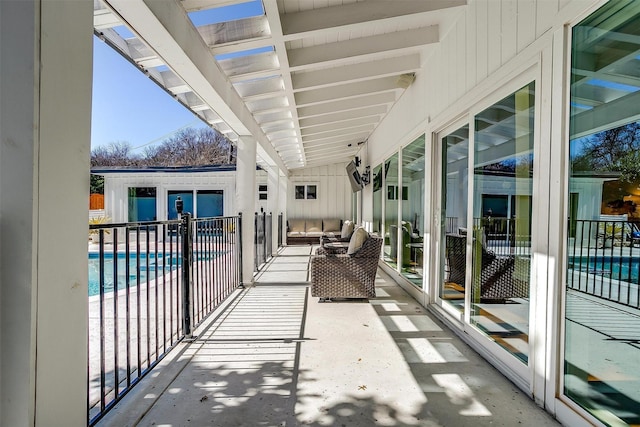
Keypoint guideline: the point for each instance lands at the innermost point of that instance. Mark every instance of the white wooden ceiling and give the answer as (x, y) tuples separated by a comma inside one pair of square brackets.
[(309, 79)]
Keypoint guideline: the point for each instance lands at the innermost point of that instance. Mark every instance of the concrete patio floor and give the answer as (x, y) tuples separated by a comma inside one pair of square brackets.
[(274, 356)]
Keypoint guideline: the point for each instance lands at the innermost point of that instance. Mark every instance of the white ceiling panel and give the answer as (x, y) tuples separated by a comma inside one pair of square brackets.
[(309, 80)]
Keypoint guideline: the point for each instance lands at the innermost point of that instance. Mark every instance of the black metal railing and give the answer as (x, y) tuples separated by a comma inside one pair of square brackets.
[(603, 260), (501, 236), (150, 284), (262, 240)]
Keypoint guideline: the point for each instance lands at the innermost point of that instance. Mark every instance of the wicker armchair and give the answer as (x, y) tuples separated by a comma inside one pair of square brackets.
[(346, 276), (499, 279)]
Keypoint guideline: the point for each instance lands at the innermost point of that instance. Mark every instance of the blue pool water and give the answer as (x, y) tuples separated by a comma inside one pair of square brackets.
[(148, 267), (618, 268)]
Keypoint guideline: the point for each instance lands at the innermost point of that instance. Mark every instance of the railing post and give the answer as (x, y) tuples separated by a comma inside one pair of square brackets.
[(239, 237), (186, 273), (264, 237)]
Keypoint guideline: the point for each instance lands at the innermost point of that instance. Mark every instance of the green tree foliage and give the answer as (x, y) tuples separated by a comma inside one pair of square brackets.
[(97, 184)]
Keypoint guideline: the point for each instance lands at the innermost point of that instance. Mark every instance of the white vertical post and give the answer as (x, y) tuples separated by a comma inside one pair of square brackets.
[(273, 195), (283, 185), (246, 201), (46, 75)]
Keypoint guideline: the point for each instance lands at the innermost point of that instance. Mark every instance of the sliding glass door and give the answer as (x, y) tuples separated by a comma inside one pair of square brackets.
[(502, 195), (602, 296), (485, 221), (453, 220)]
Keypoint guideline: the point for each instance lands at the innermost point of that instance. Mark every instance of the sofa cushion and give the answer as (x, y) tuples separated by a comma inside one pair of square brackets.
[(329, 225), (314, 226), (359, 236), (347, 229), (296, 225)]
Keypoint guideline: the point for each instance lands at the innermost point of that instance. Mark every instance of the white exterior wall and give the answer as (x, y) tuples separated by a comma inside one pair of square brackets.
[(116, 187), (487, 36), (491, 48), (334, 193), (45, 116)]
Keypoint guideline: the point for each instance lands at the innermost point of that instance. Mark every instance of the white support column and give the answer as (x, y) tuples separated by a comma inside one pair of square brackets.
[(273, 195), (246, 187), (45, 111), (283, 185)]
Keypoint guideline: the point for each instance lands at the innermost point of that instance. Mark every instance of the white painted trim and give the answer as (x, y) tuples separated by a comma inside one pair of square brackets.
[(531, 71), (437, 273)]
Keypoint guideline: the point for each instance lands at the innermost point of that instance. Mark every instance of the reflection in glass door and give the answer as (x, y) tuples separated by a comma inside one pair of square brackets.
[(602, 297), (391, 210), (377, 199), (412, 196), (453, 223), (502, 183)]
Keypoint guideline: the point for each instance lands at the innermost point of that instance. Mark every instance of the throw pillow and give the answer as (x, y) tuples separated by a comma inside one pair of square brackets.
[(314, 225), (296, 225), (330, 225), (358, 238), (347, 229)]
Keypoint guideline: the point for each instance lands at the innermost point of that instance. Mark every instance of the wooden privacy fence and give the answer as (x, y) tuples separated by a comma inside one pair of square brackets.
[(96, 201)]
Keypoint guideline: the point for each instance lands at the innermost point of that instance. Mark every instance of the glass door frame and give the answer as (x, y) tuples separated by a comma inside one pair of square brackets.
[(521, 374), (438, 244)]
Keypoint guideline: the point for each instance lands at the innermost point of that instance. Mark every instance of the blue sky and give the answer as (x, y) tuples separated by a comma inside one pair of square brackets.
[(128, 106)]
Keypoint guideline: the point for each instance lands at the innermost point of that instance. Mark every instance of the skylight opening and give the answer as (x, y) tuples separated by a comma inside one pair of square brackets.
[(227, 13), (243, 53), (613, 85), (124, 32)]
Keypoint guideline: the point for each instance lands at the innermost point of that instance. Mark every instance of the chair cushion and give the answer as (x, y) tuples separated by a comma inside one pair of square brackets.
[(296, 225), (330, 225), (347, 229), (314, 226), (358, 238)]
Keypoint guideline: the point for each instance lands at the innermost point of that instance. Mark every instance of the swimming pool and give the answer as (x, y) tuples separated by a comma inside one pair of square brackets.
[(623, 268), (148, 267)]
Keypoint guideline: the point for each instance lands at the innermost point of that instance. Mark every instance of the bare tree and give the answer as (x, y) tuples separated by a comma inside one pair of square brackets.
[(114, 154), (188, 147), (191, 147)]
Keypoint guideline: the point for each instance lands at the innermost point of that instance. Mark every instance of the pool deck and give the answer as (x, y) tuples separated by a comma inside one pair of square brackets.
[(274, 356)]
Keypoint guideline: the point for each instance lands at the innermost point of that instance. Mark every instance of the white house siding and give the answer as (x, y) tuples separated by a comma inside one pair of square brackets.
[(491, 43), (483, 42), (117, 184), (487, 35), (334, 193)]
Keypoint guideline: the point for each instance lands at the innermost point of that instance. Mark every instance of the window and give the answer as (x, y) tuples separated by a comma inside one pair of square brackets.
[(210, 203), (391, 211), (502, 183), (142, 204), (262, 192), (309, 192), (602, 303), (187, 202), (413, 210), (377, 198)]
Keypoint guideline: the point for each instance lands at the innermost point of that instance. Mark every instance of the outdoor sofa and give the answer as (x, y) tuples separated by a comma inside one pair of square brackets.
[(310, 230)]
